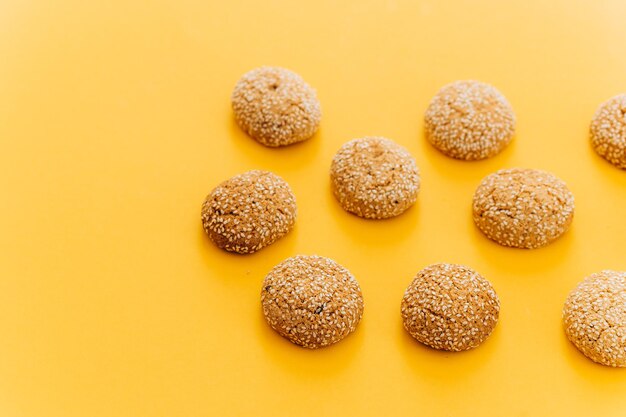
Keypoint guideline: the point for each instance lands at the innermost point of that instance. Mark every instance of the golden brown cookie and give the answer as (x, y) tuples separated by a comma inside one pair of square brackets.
[(608, 131), (276, 106), (594, 318), (450, 307), (523, 208), (374, 177), (311, 301), (249, 211), (469, 120)]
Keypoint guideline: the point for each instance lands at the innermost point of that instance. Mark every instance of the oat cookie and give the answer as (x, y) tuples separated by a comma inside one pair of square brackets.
[(523, 208), (594, 318), (450, 307), (374, 178), (469, 120), (312, 301), (249, 211), (608, 131), (276, 106)]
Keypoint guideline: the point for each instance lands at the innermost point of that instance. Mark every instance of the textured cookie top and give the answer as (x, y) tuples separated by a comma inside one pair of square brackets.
[(469, 120), (594, 317), (374, 177), (450, 307), (276, 106), (523, 208), (608, 131), (249, 211), (312, 301)]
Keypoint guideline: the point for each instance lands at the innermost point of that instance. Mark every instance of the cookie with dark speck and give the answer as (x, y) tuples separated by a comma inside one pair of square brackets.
[(312, 301), (374, 178), (450, 307), (249, 211)]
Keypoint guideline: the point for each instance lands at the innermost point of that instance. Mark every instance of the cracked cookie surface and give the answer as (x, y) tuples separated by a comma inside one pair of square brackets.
[(374, 178), (312, 301), (594, 317), (276, 106), (249, 211), (450, 307), (523, 208)]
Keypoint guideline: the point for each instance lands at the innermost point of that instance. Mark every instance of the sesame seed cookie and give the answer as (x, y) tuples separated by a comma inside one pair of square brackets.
[(276, 106), (608, 131), (469, 120), (312, 301), (594, 318), (374, 178), (523, 208), (450, 307), (249, 211)]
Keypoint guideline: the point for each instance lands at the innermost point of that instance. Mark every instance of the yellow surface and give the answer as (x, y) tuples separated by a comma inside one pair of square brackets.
[(115, 122)]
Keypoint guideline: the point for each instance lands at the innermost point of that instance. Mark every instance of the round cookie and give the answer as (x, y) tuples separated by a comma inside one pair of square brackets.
[(594, 318), (276, 106), (523, 208), (311, 301), (374, 178), (249, 211), (608, 131), (450, 307), (469, 120)]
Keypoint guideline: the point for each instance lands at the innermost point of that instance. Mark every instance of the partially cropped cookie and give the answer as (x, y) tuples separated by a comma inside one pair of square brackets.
[(594, 318), (523, 208), (374, 178), (608, 131), (469, 120), (450, 307), (276, 106), (311, 301), (249, 211)]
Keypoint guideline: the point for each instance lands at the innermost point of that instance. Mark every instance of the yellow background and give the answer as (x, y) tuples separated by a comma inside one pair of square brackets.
[(115, 122)]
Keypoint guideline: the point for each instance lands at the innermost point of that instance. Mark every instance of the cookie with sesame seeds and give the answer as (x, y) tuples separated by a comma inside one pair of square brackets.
[(374, 178), (523, 208), (312, 301), (249, 211), (608, 131), (594, 317), (450, 307), (469, 120), (276, 106)]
